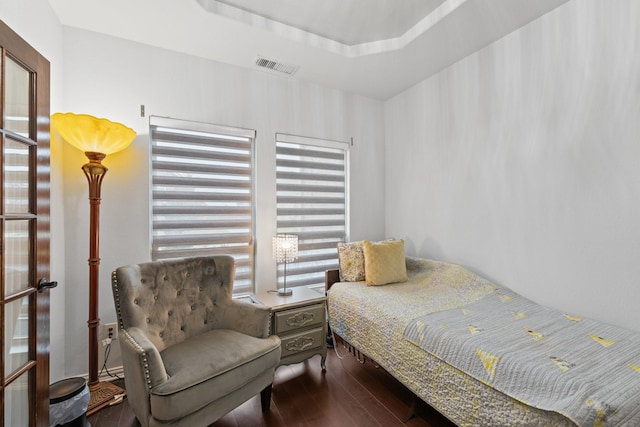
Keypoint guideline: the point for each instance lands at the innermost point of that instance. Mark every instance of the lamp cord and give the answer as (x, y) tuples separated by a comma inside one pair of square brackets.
[(333, 337), (107, 351)]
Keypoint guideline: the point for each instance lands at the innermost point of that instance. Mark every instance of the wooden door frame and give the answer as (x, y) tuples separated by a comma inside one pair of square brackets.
[(29, 57)]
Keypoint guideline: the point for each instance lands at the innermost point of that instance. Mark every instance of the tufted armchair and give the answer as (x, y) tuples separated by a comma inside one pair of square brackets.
[(190, 352)]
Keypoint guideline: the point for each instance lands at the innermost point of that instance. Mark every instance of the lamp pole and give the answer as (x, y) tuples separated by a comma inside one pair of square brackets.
[(95, 172)]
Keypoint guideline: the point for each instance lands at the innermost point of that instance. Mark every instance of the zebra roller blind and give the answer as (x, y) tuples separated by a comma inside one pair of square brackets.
[(202, 193), (312, 202)]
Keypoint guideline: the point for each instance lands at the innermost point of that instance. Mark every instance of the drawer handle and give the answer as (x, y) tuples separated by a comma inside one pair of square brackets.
[(300, 319), (299, 344)]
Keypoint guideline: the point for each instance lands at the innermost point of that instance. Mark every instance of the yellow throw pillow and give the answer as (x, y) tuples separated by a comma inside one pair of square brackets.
[(384, 262)]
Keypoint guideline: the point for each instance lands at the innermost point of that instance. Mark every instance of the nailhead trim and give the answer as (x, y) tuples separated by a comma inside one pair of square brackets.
[(143, 356), (116, 292)]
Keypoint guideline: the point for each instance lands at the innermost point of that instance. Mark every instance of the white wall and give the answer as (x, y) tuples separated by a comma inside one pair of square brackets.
[(43, 32), (110, 77), (521, 161)]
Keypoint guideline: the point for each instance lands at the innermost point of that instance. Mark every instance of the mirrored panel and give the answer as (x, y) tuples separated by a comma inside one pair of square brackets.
[(17, 255), (16, 338), (16, 403), (16, 113), (16, 176)]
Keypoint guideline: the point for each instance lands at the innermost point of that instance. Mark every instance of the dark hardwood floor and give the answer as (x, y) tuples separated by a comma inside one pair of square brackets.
[(348, 394)]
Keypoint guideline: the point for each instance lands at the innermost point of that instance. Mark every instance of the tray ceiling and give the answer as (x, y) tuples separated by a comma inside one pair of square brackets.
[(348, 22), (375, 48)]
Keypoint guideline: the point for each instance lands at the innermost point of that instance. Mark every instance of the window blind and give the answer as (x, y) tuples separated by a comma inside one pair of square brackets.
[(202, 193), (312, 193)]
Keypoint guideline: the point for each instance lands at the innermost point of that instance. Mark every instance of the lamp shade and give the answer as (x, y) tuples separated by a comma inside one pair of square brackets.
[(285, 247), (92, 134)]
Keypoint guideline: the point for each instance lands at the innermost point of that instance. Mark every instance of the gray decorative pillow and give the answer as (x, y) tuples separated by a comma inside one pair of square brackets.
[(351, 260)]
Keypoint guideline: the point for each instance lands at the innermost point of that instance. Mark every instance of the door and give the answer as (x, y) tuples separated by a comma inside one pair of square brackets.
[(24, 233)]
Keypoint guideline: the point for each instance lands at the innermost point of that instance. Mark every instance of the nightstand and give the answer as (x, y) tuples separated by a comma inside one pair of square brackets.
[(301, 323)]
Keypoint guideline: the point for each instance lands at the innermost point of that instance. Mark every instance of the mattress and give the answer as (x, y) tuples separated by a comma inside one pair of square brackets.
[(374, 318)]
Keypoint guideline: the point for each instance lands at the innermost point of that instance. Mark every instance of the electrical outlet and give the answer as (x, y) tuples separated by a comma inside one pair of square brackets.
[(110, 331)]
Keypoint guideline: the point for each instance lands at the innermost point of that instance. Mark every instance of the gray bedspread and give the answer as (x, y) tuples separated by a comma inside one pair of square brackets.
[(588, 371)]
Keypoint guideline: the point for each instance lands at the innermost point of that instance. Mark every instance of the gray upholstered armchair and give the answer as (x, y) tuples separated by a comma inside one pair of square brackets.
[(190, 352)]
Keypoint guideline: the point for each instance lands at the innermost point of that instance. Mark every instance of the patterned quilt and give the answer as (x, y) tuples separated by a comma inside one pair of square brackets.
[(374, 318), (586, 370)]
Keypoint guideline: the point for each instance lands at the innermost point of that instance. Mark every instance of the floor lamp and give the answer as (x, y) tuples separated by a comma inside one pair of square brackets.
[(97, 138)]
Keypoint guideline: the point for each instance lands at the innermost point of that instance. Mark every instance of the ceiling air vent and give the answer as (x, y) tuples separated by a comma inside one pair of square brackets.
[(272, 65)]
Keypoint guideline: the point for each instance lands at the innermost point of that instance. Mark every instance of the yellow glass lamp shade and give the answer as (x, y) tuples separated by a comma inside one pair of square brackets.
[(92, 134)]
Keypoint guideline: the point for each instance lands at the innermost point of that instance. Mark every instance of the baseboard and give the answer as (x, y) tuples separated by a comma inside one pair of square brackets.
[(115, 371)]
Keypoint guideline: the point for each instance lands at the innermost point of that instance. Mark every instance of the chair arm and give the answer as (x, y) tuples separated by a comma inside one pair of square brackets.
[(143, 370), (247, 318)]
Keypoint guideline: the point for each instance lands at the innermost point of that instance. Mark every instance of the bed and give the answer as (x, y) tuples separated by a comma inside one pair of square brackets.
[(445, 334)]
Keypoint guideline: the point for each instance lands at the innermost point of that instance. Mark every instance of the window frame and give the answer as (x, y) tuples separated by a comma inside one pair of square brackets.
[(203, 132), (321, 144)]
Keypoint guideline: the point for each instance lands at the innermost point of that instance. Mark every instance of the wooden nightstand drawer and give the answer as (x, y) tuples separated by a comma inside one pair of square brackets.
[(303, 341), (299, 318)]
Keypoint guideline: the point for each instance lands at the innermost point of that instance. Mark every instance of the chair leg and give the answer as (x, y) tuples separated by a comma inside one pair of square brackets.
[(265, 398)]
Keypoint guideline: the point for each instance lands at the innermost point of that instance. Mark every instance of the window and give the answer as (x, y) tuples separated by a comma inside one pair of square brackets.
[(311, 185), (202, 193)]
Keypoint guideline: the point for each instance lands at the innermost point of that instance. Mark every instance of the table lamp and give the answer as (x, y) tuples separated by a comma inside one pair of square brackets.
[(285, 250)]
